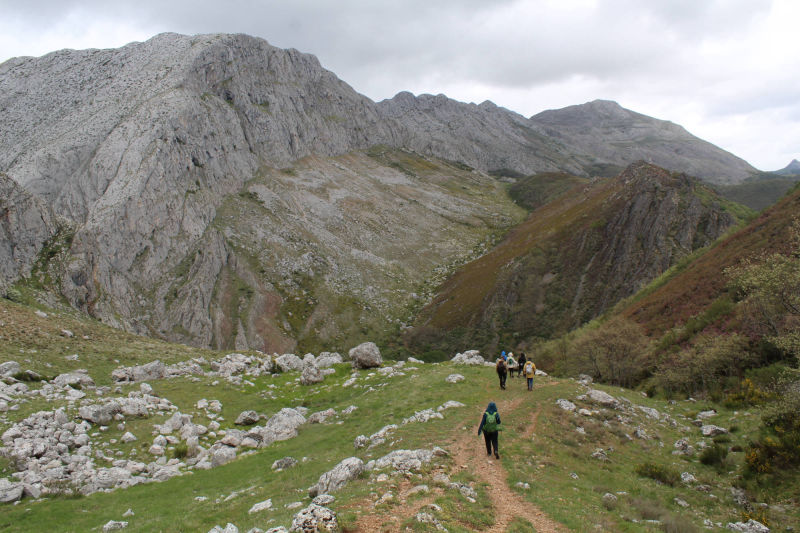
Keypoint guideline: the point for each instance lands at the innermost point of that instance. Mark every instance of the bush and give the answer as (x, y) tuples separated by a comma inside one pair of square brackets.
[(658, 472), (181, 450), (14, 295), (714, 455), (778, 448)]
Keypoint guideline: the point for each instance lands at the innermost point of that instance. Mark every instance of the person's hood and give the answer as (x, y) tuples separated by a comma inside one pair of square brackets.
[(492, 408)]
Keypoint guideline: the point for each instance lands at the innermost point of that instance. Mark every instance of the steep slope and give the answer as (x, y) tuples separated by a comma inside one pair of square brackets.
[(26, 224), (575, 257), (690, 290), (791, 169), (483, 136), (616, 137)]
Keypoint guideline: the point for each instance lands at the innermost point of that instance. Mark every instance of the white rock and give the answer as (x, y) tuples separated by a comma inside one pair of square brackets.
[(260, 506), (365, 355), (454, 378)]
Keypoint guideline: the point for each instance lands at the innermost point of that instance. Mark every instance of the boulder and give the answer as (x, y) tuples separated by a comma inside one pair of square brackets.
[(77, 378), (337, 477), (150, 371), (712, 431), (247, 418), (9, 368), (365, 355), (470, 357), (260, 506), (328, 359), (100, 414), (311, 375), (565, 405), (222, 455), (314, 518), (454, 378), (10, 491), (284, 463), (289, 362), (751, 526), (603, 398)]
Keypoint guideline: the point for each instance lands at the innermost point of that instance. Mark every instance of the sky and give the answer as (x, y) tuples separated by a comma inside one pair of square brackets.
[(726, 70)]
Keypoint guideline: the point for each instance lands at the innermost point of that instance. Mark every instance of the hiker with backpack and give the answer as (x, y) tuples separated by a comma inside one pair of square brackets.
[(502, 372), (521, 364), (490, 426), (530, 371), (511, 364)]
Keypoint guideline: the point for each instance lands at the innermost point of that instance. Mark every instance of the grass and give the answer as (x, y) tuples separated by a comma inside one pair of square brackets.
[(546, 461)]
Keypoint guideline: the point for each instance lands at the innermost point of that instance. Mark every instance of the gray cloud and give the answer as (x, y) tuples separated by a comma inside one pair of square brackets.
[(699, 64)]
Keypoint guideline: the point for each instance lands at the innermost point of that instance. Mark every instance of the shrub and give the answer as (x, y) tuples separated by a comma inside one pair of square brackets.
[(714, 455), (658, 472), (181, 450), (14, 295), (778, 448)]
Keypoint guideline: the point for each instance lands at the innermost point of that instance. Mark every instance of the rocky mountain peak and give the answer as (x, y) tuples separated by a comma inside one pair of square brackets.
[(790, 169)]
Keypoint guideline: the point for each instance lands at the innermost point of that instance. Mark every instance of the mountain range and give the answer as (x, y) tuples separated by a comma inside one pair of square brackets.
[(218, 191)]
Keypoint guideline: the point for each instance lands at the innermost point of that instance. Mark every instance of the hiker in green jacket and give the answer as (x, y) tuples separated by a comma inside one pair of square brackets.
[(490, 426)]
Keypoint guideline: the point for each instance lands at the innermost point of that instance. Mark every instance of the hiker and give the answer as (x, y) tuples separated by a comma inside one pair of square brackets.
[(511, 364), (521, 364), (502, 372), (490, 426), (530, 371), (503, 355)]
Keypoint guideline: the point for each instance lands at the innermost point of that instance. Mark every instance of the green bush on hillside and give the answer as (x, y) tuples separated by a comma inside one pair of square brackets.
[(658, 472), (778, 448)]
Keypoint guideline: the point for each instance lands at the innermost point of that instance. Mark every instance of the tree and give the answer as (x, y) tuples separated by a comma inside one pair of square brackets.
[(770, 289)]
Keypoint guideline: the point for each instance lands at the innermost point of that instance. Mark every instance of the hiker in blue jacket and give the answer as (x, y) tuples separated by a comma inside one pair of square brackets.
[(490, 426)]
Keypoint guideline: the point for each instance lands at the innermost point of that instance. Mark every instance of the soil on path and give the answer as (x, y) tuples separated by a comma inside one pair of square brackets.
[(466, 451)]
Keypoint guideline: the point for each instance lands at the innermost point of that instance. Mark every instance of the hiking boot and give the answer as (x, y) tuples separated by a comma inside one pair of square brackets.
[(496, 455)]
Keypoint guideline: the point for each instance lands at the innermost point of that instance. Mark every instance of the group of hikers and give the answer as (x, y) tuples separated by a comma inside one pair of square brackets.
[(490, 422), (506, 364)]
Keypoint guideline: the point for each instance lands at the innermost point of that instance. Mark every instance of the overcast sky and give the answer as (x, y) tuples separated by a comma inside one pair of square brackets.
[(727, 70)]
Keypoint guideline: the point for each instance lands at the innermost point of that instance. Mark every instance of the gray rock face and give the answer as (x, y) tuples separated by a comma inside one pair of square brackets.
[(26, 224), (366, 355), (617, 136)]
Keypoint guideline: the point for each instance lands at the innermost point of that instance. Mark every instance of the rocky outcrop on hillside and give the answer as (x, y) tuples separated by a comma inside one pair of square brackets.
[(556, 272), (26, 224), (616, 137)]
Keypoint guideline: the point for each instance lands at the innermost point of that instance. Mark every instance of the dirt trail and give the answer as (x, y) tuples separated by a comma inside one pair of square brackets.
[(467, 452), (507, 504)]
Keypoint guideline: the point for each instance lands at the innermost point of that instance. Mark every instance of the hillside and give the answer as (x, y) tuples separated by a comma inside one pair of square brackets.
[(573, 258), (156, 159), (573, 456), (693, 286)]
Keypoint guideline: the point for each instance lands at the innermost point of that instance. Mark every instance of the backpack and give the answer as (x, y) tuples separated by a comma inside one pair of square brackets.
[(530, 368), (490, 426), (501, 365)]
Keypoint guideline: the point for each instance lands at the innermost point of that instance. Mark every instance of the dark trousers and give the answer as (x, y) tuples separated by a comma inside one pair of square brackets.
[(502, 376), (530, 383), (491, 440)]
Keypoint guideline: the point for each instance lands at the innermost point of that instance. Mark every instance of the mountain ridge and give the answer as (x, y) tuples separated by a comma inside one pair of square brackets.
[(138, 148)]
